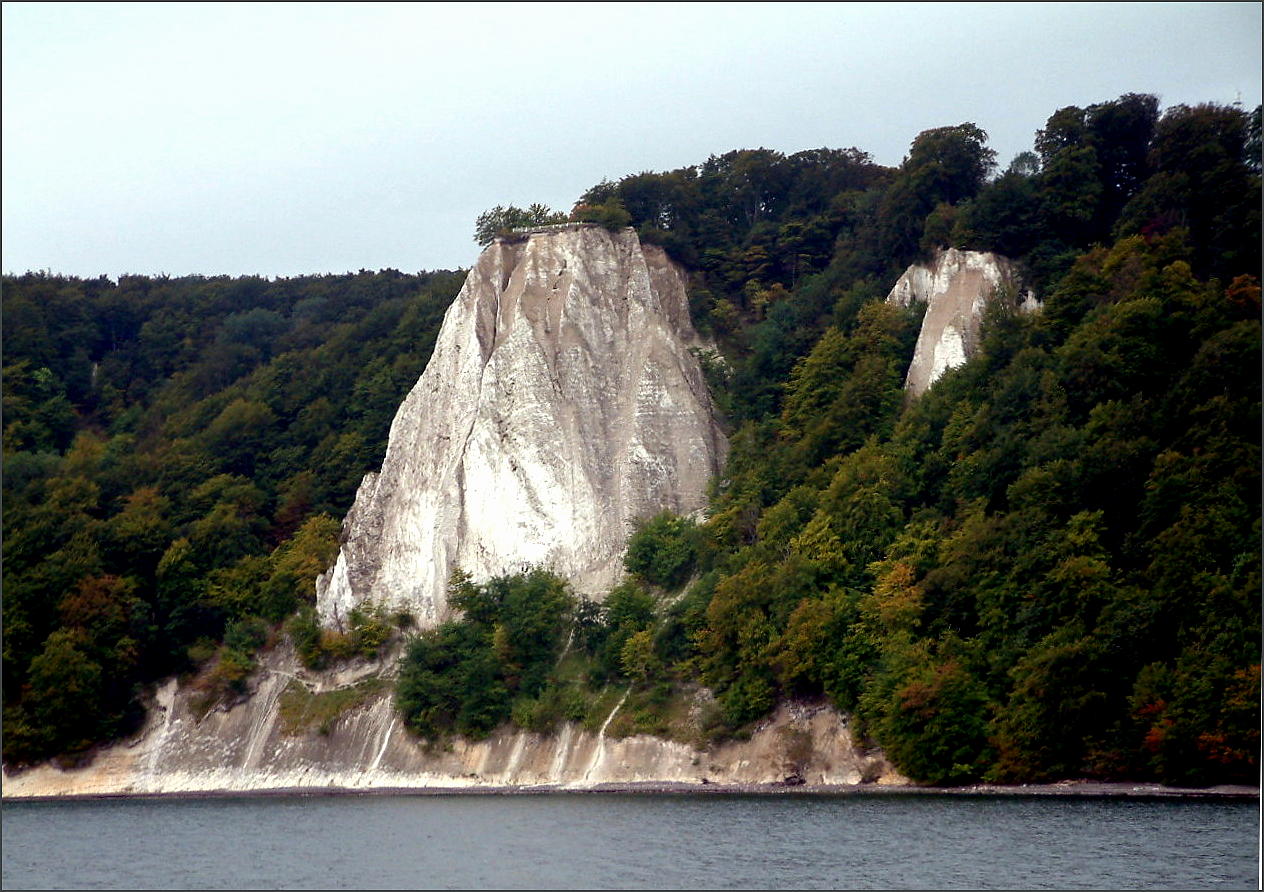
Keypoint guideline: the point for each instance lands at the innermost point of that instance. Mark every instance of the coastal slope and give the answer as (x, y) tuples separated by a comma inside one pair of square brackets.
[(339, 730)]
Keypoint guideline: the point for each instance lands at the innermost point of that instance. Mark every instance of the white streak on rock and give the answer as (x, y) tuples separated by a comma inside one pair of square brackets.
[(245, 748), (561, 405), (956, 287)]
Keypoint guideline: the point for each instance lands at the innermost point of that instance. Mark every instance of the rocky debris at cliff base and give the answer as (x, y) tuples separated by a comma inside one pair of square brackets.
[(1070, 790)]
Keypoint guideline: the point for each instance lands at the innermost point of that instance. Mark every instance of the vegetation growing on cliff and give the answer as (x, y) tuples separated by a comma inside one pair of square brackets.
[(502, 220), (1049, 565), (301, 710), (1046, 566), (175, 453), (467, 676), (997, 581), (527, 650)]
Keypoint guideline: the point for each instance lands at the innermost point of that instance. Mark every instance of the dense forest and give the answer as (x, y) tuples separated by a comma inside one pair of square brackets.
[(1047, 566)]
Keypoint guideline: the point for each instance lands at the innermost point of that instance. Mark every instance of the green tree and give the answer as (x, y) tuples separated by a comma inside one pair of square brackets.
[(501, 220), (944, 165), (663, 550), (66, 692), (638, 658), (611, 214)]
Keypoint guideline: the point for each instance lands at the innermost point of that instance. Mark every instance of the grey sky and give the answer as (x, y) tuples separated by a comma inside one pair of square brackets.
[(283, 139)]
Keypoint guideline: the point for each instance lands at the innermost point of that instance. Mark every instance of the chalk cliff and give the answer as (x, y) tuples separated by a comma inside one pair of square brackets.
[(561, 404), (956, 287), (307, 730)]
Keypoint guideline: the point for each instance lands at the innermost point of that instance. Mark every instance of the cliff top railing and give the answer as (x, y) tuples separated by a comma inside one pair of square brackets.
[(519, 231)]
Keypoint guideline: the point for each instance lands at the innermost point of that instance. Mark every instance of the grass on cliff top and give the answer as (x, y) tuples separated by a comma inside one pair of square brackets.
[(301, 710)]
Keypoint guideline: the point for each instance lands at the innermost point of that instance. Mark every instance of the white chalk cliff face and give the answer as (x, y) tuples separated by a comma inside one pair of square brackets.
[(956, 287), (560, 405), (253, 745)]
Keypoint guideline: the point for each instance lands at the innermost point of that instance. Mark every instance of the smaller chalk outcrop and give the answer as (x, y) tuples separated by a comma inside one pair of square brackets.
[(956, 287)]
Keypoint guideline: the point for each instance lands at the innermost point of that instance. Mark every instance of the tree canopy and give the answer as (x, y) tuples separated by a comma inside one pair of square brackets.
[(1046, 566), (503, 220)]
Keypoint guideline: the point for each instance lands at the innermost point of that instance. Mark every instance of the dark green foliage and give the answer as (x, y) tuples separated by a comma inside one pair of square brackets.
[(1005, 216), (1037, 548), (304, 631), (503, 220), (173, 449), (945, 167), (1078, 503), (663, 550), (1203, 181), (525, 650), (246, 635), (610, 213), (462, 677), (932, 719), (750, 696), (628, 610), (370, 630), (67, 687), (427, 691), (1046, 566)]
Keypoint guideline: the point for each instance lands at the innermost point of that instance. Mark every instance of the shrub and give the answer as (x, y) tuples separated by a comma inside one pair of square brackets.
[(663, 550), (370, 629), (610, 214), (247, 635), (304, 630)]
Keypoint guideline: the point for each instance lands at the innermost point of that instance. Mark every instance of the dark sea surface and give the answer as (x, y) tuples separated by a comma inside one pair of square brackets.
[(608, 841)]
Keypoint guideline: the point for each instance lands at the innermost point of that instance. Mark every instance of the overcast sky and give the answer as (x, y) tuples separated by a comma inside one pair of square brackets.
[(291, 138)]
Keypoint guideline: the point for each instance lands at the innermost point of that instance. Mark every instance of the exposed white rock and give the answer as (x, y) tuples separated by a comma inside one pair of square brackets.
[(251, 747), (956, 287), (561, 404)]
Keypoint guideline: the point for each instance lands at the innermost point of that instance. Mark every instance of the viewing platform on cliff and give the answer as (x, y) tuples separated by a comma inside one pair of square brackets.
[(520, 232)]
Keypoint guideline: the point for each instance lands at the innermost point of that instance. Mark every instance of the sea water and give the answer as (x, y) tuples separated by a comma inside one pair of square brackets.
[(610, 841)]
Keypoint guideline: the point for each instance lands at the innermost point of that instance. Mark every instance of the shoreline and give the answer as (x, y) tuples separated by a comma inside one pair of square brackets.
[(1062, 790)]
